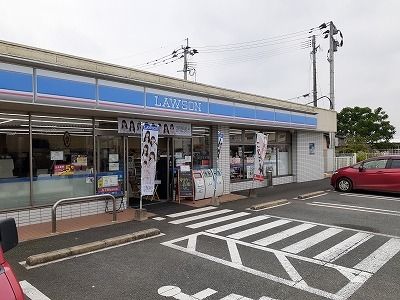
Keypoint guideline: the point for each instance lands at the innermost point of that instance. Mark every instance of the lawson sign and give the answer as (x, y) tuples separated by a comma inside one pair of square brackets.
[(176, 102)]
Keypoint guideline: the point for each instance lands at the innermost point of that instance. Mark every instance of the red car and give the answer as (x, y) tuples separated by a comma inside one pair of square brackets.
[(375, 174), (9, 285)]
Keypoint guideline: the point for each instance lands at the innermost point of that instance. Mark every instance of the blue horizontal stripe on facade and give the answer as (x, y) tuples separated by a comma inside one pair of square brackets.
[(221, 109), (298, 119), (265, 115), (63, 87), (282, 117), (178, 104), (311, 121), (16, 81), (121, 95), (243, 112)]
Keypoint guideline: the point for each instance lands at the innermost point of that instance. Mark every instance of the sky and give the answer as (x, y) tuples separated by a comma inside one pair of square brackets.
[(256, 46)]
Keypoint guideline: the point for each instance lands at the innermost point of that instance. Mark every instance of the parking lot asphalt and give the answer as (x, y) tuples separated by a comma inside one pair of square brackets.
[(331, 246)]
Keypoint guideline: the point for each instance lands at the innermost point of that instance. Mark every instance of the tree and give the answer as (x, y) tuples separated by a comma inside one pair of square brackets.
[(362, 123)]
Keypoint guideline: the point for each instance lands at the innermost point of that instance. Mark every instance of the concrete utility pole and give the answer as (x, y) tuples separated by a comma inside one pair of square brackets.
[(314, 60), (185, 64), (331, 59)]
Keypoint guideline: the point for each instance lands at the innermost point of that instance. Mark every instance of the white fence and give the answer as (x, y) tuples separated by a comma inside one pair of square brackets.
[(345, 160)]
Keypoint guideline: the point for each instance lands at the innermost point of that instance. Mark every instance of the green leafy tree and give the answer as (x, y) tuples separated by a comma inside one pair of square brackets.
[(363, 123)]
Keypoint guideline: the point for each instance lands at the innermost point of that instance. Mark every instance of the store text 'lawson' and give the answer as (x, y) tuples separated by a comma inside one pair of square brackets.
[(178, 104)]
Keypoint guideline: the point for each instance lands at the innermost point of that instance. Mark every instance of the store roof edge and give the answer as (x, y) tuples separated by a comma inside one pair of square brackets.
[(28, 55)]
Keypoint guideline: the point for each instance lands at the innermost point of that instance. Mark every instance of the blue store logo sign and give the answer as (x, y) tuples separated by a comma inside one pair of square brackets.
[(178, 104)]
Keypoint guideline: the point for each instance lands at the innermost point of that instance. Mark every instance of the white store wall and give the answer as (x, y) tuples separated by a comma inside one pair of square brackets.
[(309, 166)]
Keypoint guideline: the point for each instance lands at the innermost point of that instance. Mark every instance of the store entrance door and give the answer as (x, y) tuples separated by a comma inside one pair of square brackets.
[(163, 167)]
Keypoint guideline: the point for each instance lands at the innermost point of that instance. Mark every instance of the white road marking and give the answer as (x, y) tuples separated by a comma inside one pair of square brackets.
[(237, 224), (283, 234), (159, 218), (204, 294), (379, 257), (234, 253), (362, 207), (266, 298), (290, 270), (235, 297), (23, 263), (372, 197), (334, 226), (344, 247), (218, 220), (245, 233), (355, 209), (192, 243), (190, 212), (357, 280), (312, 240), (202, 216), (32, 292)]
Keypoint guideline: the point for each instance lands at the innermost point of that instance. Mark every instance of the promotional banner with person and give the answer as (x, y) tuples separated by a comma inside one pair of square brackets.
[(259, 157), (148, 158)]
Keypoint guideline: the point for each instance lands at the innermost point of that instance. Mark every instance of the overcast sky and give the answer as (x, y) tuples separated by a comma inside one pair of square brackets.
[(132, 33)]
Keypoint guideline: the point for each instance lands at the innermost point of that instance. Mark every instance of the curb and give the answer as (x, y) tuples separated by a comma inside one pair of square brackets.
[(88, 247), (308, 195), (268, 204)]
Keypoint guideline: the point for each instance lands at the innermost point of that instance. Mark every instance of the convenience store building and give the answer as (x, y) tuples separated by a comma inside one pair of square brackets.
[(60, 134)]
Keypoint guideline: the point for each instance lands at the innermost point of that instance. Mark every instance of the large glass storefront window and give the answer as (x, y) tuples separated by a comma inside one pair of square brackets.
[(110, 158), (14, 161), (201, 147), (242, 150), (62, 158)]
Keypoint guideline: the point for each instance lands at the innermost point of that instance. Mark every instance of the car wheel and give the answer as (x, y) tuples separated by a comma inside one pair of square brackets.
[(344, 185)]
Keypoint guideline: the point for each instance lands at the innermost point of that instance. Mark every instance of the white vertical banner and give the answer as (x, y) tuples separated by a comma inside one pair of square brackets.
[(219, 144), (259, 157), (149, 138)]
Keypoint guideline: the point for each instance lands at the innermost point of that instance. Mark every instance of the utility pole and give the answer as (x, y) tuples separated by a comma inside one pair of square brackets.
[(185, 64), (331, 59), (314, 60)]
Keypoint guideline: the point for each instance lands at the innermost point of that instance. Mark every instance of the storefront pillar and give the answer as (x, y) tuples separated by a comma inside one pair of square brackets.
[(223, 162)]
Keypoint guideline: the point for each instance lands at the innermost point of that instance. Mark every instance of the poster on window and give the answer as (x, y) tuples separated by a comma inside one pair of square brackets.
[(259, 157), (149, 143), (134, 127)]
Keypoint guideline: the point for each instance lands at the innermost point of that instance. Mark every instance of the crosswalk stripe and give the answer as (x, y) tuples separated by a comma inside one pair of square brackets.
[(237, 224), (190, 212), (202, 216), (283, 234), (344, 247), (379, 257), (245, 233), (312, 240), (218, 220)]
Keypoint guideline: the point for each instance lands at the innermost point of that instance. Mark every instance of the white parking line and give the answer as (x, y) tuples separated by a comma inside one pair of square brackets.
[(190, 212), (344, 247), (283, 234), (32, 292), (203, 216), (379, 257), (245, 233), (372, 197), (218, 220), (357, 208), (237, 224), (312, 240)]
